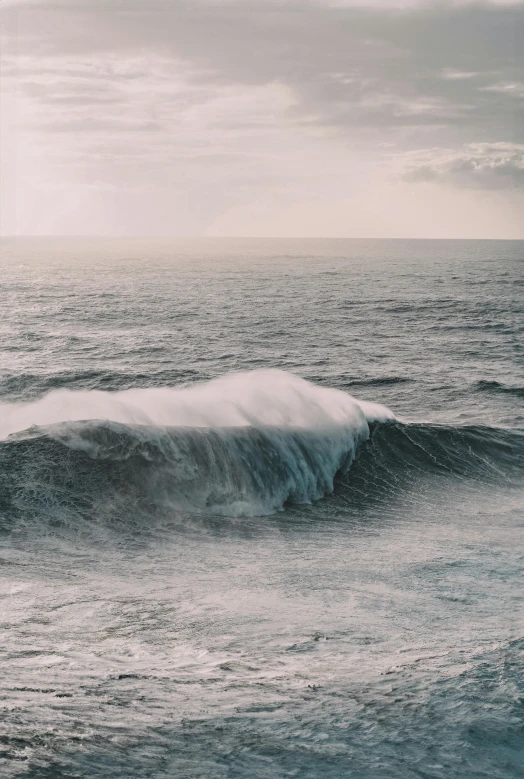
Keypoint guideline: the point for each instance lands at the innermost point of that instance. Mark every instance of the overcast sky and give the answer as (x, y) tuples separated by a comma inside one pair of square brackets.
[(264, 118)]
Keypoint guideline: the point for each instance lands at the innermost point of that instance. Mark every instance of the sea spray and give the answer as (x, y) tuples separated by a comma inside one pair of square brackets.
[(252, 398)]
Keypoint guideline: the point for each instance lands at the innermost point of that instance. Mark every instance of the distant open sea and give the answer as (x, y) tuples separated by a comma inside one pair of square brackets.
[(261, 509)]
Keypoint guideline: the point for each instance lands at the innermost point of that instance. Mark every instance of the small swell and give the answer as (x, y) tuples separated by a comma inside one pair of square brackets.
[(499, 388), (378, 381)]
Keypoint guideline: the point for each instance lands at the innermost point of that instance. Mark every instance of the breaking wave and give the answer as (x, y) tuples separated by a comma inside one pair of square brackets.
[(243, 445)]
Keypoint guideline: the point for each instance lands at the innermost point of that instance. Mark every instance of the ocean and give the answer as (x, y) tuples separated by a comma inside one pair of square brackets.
[(261, 509)]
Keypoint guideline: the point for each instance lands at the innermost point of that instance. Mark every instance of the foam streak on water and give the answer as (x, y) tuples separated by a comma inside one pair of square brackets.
[(222, 555)]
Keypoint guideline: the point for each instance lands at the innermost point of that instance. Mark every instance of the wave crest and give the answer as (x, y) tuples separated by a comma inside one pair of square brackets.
[(258, 398)]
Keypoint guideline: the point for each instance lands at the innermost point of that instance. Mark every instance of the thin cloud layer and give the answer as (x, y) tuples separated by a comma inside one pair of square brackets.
[(351, 67), (187, 102)]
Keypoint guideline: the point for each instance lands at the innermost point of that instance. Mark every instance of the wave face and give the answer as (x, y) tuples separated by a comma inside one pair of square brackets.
[(243, 445)]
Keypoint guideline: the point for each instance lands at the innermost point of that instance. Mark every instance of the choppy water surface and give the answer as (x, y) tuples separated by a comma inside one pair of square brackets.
[(261, 509)]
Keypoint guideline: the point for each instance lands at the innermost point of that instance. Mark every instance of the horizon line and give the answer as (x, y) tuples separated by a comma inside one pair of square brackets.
[(14, 236)]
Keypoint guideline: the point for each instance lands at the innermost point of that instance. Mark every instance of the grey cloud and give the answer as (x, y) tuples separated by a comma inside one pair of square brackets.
[(420, 173), (477, 166)]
